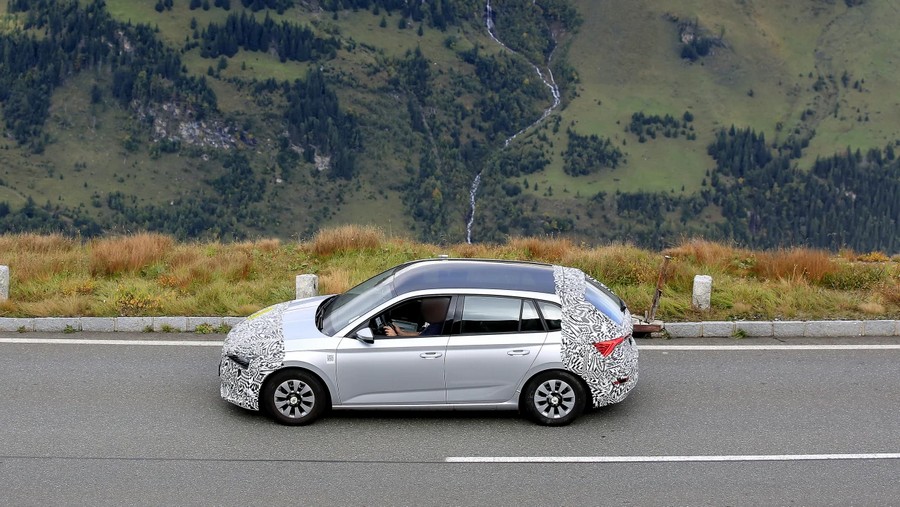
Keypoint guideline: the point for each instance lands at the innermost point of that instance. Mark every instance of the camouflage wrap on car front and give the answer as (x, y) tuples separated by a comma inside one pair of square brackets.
[(260, 340)]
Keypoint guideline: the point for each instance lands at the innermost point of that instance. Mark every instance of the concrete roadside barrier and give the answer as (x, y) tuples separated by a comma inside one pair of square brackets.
[(702, 292), (784, 329), (4, 283), (307, 286)]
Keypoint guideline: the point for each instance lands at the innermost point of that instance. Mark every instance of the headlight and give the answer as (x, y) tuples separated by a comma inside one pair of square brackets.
[(240, 360)]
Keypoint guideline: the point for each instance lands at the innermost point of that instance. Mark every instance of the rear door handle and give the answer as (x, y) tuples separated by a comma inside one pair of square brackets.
[(518, 352), (430, 355)]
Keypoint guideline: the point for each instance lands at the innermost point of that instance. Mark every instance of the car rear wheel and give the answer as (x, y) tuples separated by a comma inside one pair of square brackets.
[(554, 398), (294, 397)]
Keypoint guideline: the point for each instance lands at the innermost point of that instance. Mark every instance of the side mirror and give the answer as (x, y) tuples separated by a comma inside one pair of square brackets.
[(365, 335)]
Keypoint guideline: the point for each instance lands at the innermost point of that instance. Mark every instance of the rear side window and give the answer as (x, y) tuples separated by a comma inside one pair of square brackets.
[(485, 314), (552, 315), (495, 314)]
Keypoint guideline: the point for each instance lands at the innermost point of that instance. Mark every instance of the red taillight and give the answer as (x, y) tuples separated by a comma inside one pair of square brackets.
[(605, 348)]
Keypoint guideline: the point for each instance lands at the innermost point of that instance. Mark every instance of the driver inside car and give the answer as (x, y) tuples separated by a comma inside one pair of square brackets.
[(434, 312)]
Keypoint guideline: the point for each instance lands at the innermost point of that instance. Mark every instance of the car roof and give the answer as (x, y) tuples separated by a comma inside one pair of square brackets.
[(474, 274)]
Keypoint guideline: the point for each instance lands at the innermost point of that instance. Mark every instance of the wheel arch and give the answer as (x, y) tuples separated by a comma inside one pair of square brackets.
[(307, 368), (544, 368)]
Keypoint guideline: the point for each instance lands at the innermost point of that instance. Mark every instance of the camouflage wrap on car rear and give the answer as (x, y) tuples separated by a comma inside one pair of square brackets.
[(583, 325)]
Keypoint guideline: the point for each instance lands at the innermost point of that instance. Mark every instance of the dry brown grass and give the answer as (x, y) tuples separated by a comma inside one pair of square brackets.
[(616, 264), (335, 281), (890, 292), (127, 253), (267, 245), (794, 265), (872, 308), (36, 243), (542, 249), (475, 251), (345, 239), (707, 253)]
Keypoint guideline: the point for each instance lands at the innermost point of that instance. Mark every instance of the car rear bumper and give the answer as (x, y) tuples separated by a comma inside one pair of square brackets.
[(616, 376)]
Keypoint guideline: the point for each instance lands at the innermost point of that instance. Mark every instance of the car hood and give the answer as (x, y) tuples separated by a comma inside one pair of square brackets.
[(260, 335), (299, 319)]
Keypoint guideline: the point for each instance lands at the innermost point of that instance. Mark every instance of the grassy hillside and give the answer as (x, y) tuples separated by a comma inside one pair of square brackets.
[(155, 275), (626, 55), (816, 73)]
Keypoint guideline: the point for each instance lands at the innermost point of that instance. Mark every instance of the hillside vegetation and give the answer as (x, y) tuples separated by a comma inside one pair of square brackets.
[(766, 123), (151, 274)]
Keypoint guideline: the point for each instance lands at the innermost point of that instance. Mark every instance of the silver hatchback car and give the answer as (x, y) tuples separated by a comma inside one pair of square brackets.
[(438, 334)]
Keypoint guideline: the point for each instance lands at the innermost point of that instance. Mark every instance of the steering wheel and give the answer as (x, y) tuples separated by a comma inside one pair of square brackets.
[(380, 323)]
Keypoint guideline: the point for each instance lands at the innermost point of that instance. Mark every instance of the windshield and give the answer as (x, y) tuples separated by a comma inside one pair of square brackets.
[(355, 302)]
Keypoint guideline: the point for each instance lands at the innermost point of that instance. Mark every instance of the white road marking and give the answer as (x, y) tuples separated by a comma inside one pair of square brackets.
[(861, 346), (66, 341), (668, 459)]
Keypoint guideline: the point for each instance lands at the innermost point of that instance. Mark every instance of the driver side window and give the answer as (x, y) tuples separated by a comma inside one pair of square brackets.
[(423, 316)]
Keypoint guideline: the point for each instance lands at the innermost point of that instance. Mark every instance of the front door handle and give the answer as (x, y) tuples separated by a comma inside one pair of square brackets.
[(430, 355), (518, 352)]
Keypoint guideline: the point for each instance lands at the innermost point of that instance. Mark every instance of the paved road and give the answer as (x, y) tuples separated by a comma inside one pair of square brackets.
[(127, 424)]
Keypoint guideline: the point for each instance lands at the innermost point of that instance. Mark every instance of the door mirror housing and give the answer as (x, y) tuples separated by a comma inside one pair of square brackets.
[(365, 335)]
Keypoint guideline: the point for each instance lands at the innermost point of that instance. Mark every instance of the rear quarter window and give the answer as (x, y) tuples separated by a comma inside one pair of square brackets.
[(603, 302), (552, 315)]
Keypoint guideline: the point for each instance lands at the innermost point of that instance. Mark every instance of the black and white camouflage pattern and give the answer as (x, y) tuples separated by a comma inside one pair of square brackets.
[(260, 339), (582, 326)]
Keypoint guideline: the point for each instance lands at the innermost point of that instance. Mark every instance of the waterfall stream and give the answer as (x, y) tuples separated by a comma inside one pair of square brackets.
[(548, 81)]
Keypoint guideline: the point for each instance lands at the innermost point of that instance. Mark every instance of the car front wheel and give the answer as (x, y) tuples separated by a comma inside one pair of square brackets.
[(294, 397), (554, 398)]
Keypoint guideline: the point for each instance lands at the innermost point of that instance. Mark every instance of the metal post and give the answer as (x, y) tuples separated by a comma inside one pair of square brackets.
[(663, 273)]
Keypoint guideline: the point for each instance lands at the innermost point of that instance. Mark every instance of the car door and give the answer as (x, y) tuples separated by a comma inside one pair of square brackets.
[(393, 370), (494, 342)]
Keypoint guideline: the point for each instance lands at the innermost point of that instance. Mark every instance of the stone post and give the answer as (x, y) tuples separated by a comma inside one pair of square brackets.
[(307, 286), (4, 283), (702, 292)]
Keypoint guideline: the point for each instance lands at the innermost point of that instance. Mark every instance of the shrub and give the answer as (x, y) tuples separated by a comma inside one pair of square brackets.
[(133, 302), (874, 257)]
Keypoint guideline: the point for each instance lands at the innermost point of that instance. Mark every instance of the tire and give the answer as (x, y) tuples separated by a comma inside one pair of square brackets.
[(553, 398), (294, 397)]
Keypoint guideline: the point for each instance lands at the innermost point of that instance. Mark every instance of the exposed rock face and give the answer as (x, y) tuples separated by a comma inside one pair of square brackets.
[(176, 123), (323, 163)]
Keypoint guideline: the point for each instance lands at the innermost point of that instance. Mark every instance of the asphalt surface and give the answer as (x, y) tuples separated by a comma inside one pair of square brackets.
[(144, 425)]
